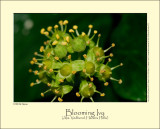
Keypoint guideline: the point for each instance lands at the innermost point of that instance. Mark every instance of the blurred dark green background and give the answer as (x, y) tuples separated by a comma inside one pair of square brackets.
[(127, 31)]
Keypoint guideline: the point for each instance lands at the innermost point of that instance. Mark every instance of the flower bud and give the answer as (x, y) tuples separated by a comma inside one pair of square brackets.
[(78, 44), (60, 51)]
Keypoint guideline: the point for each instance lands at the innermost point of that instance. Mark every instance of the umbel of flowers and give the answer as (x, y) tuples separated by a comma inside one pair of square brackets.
[(56, 68)]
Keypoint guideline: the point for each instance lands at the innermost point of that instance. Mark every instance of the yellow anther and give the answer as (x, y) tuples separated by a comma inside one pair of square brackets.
[(31, 62), (71, 30), (35, 53), (49, 28), (61, 22), (98, 59), (55, 26), (64, 43), (109, 60), (36, 72), (30, 70), (102, 94), (56, 91), (60, 99), (121, 64), (85, 56), (42, 31), (106, 83), (77, 94), (45, 43), (42, 94), (97, 54), (48, 54), (34, 59), (92, 79), (55, 42), (95, 31), (113, 44), (48, 84), (69, 56), (67, 39), (75, 27), (46, 33), (73, 72), (90, 85), (37, 80), (50, 70), (57, 36), (56, 58), (111, 54), (120, 81), (102, 71), (32, 84), (90, 26), (65, 22), (41, 49), (99, 35), (39, 66), (45, 67), (61, 80), (83, 34), (84, 70)]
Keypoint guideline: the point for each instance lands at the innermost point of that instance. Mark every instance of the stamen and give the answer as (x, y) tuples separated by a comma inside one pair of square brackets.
[(67, 39), (119, 81), (91, 99), (73, 72), (106, 83), (121, 64), (30, 70), (57, 36), (98, 40), (55, 42), (61, 24), (41, 49), (61, 80), (77, 94), (42, 94), (36, 54), (42, 31), (113, 45), (54, 99), (102, 94), (32, 84), (56, 91), (65, 23), (51, 70), (64, 43), (49, 28), (69, 57), (90, 27), (31, 62), (92, 79), (49, 84), (75, 27), (85, 56), (83, 34), (35, 72), (48, 54), (95, 32), (60, 99), (56, 58), (90, 85), (71, 31), (45, 67), (84, 70)]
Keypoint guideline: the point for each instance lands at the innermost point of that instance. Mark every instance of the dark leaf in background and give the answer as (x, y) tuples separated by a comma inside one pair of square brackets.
[(127, 31)]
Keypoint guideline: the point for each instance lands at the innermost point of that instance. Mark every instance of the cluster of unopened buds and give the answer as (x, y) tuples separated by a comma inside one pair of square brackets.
[(64, 55)]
